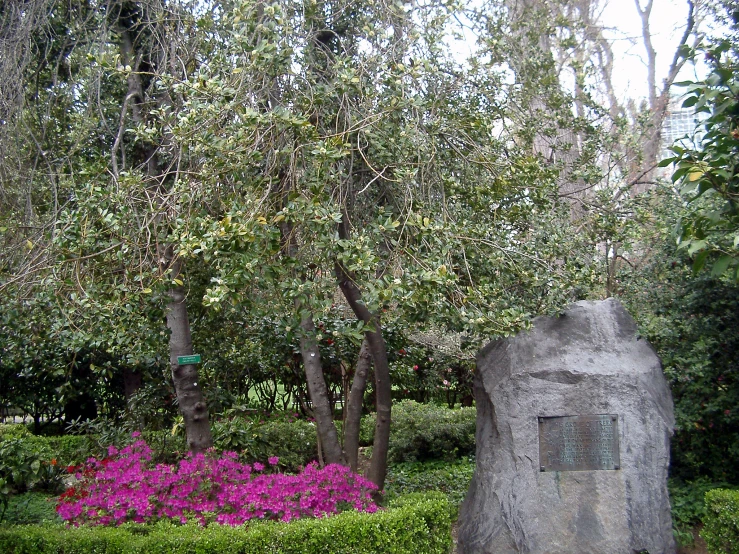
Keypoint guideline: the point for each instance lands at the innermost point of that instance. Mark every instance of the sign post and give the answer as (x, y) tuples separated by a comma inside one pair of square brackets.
[(187, 360)]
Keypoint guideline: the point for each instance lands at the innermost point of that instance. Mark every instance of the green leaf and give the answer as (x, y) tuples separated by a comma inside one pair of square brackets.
[(700, 261), (695, 246), (721, 265), (678, 174)]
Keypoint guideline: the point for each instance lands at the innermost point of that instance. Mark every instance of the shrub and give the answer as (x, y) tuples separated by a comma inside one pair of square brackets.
[(100, 433), (721, 522), (411, 525), (367, 429), (127, 487), (70, 449), (691, 321), (688, 505), (31, 507), (428, 374), (27, 463), (687, 499), (450, 478), (13, 431), (293, 442), (426, 431)]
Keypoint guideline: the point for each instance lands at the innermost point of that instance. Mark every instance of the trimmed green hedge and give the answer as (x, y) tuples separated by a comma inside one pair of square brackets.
[(450, 478), (721, 522), (293, 442), (413, 524), (422, 432), (13, 431), (69, 449), (31, 508), (419, 432)]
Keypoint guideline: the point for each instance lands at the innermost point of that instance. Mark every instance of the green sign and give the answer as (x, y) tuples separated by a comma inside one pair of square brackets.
[(186, 360)]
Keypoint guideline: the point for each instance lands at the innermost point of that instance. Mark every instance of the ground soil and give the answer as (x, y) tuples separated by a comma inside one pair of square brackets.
[(698, 546), (363, 460), (455, 533)]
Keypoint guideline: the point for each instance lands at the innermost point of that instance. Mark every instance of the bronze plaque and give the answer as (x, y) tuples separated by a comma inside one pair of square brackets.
[(578, 443)]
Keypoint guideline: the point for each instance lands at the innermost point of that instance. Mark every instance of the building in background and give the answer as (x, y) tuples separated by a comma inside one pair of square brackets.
[(680, 124)]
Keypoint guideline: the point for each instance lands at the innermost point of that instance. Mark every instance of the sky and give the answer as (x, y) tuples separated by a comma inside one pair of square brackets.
[(667, 24), (623, 24)]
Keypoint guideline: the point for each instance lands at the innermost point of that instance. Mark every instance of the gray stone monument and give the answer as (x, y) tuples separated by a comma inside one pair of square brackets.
[(574, 420)]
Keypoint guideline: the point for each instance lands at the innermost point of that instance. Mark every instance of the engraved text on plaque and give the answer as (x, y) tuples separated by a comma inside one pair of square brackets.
[(578, 443)]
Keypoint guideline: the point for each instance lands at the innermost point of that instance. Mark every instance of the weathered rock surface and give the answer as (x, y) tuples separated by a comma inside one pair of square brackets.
[(587, 361)]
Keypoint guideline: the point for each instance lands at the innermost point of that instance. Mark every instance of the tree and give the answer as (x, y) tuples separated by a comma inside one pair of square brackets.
[(283, 162), (690, 319), (706, 167), (99, 209), (347, 147)]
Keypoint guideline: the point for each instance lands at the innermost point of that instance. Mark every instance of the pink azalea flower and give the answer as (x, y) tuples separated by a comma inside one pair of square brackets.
[(205, 488)]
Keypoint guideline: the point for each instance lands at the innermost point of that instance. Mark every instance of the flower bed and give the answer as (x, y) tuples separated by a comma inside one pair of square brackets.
[(127, 487)]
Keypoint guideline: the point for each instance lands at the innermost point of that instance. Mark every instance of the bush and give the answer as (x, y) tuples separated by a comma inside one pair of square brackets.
[(688, 505), (450, 478), (412, 525), (13, 431), (426, 432), (691, 321), (30, 508), (102, 432), (69, 450), (28, 463), (428, 374), (721, 522), (293, 442), (687, 499), (129, 487), (367, 429)]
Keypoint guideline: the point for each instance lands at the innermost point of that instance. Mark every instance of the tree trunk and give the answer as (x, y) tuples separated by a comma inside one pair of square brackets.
[(378, 350), (354, 406), (185, 377), (329, 438)]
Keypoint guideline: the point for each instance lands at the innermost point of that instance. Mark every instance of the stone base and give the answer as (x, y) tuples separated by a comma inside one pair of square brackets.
[(588, 361)]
